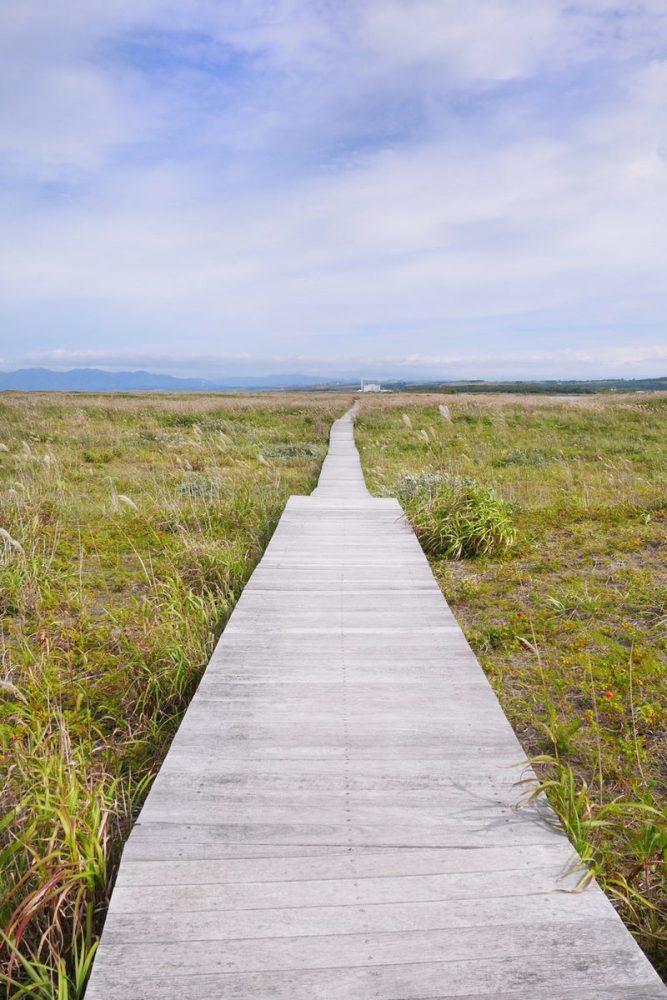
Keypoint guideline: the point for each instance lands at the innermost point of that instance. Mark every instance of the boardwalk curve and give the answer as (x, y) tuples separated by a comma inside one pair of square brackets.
[(335, 818)]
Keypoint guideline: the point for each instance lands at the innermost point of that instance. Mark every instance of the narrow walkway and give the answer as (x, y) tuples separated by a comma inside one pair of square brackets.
[(335, 817)]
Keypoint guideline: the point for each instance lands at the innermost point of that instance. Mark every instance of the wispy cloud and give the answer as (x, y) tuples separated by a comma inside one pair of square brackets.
[(353, 183), (631, 361)]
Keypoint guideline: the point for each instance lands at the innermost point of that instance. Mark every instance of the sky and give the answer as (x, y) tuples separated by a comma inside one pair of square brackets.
[(405, 188)]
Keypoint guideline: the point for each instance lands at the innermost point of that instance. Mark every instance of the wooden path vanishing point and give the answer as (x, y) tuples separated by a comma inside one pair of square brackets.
[(335, 818)]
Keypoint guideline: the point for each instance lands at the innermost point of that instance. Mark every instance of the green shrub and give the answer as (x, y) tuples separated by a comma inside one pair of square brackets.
[(523, 456), (456, 517), (202, 487), (294, 449), (99, 456)]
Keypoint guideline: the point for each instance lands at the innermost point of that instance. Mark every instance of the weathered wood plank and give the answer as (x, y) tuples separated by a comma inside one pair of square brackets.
[(354, 891), (334, 866), (215, 925), (604, 976), (348, 950)]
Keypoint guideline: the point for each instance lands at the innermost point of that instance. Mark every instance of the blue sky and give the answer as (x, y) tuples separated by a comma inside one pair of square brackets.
[(375, 187)]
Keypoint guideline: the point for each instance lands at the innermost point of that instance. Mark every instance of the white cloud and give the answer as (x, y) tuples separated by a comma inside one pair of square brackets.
[(487, 40), (316, 180), (630, 361), (624, 359)]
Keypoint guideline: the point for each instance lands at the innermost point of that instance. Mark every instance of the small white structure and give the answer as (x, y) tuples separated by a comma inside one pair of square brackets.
[(370, 387)]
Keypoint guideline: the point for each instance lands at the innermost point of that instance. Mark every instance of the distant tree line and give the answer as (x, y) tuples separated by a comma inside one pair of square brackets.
[(547, 387)]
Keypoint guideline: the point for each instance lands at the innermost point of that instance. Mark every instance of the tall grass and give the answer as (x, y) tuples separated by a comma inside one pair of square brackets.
[(129, 527), (455, 517)]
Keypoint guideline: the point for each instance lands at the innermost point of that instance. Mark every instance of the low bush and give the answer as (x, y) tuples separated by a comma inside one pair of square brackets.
[(456, 517), (294, 449)]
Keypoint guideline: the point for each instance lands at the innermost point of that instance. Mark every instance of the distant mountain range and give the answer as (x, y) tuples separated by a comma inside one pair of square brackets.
[(96, 380)]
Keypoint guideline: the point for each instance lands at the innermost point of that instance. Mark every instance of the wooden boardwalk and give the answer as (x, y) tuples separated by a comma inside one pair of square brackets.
[(335, 818)]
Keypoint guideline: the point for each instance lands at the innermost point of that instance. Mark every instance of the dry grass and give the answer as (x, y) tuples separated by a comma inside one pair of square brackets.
[(493, 401)]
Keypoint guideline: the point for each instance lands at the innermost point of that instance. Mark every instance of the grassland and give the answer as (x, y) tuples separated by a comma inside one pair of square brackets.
[(567, 612), (129, 526)]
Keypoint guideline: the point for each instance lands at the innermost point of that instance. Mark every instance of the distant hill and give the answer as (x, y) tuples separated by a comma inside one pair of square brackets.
[(96, 380)]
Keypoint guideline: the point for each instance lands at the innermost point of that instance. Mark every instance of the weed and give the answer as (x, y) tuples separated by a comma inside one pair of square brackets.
[(606, 832)]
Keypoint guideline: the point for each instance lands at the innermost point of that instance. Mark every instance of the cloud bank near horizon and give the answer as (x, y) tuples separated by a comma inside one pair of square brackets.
[(473, 189)]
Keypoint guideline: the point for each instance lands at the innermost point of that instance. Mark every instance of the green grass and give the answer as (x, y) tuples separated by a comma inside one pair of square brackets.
[(568, 614), (129, 526)]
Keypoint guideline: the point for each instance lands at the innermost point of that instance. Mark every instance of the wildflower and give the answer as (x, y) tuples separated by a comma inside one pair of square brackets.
[(608, 695), (407, 421)]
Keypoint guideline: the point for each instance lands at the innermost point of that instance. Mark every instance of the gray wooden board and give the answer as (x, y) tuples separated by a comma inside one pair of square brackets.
[(344, 891), (300, 921), (368, 948), (334, 866), (340, 814)]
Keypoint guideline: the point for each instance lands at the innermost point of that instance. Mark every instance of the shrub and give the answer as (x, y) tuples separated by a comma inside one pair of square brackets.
[(202, 487), (523, 456), (296, 449), (98, 456), (456, 517)]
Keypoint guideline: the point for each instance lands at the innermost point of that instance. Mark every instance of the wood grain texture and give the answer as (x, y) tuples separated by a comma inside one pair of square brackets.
[(339, 816)]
